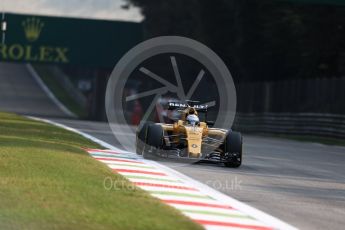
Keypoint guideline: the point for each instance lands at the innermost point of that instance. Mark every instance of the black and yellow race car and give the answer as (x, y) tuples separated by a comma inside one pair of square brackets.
[(189, 138)]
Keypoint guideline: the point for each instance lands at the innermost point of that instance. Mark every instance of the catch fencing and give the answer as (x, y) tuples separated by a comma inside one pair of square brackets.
[(314, 107), (311, 124)]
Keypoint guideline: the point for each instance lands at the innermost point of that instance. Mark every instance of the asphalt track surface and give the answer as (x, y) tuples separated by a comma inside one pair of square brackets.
[(303, 184), (20, 93)]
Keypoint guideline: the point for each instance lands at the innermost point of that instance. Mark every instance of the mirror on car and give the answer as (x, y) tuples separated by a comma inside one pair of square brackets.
[(210, 123)]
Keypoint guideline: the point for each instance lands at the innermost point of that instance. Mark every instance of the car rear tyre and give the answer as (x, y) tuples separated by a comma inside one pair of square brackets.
[(233, 149), (141, 136)]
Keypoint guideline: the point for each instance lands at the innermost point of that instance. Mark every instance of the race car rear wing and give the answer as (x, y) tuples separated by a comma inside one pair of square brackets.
[(199, 108), (178, 105)]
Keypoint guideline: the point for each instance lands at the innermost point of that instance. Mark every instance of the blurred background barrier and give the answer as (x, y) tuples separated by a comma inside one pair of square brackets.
[(313, 95), (313, 107), (300, 124)]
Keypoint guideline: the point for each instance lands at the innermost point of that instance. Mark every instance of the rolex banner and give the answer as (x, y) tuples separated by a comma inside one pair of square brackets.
[(94, 43)]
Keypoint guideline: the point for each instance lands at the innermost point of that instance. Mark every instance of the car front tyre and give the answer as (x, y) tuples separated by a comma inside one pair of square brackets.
[(233, 148), (154, 141)]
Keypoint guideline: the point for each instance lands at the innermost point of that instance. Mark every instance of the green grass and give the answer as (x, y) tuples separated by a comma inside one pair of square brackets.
[(59, 92), (48, 182)]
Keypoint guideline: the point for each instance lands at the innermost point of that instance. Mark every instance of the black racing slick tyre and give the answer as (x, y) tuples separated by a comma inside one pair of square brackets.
[(141, 136), (154, 136), (154, 141), (233, 149)]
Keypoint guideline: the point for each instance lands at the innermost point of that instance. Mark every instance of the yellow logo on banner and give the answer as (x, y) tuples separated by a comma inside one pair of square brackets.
[(32, 28), (33, 52)]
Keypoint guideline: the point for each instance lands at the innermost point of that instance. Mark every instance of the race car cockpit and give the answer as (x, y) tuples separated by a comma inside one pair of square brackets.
[(192, 119)]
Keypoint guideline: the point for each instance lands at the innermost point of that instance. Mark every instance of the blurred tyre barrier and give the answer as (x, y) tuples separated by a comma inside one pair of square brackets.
[(311, 124)]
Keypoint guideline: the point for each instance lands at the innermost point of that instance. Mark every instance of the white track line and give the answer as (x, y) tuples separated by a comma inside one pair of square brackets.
[(87, 136), (51, 96), (188, 182)]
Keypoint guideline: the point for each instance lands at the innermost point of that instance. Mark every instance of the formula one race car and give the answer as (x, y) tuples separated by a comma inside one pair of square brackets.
[(189, 138)]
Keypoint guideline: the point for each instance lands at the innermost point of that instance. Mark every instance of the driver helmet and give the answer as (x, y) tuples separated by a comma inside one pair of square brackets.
[(191, 111), (192, 119)]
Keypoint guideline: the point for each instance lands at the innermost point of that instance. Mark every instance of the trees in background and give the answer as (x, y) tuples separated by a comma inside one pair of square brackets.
[(258, 39)]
